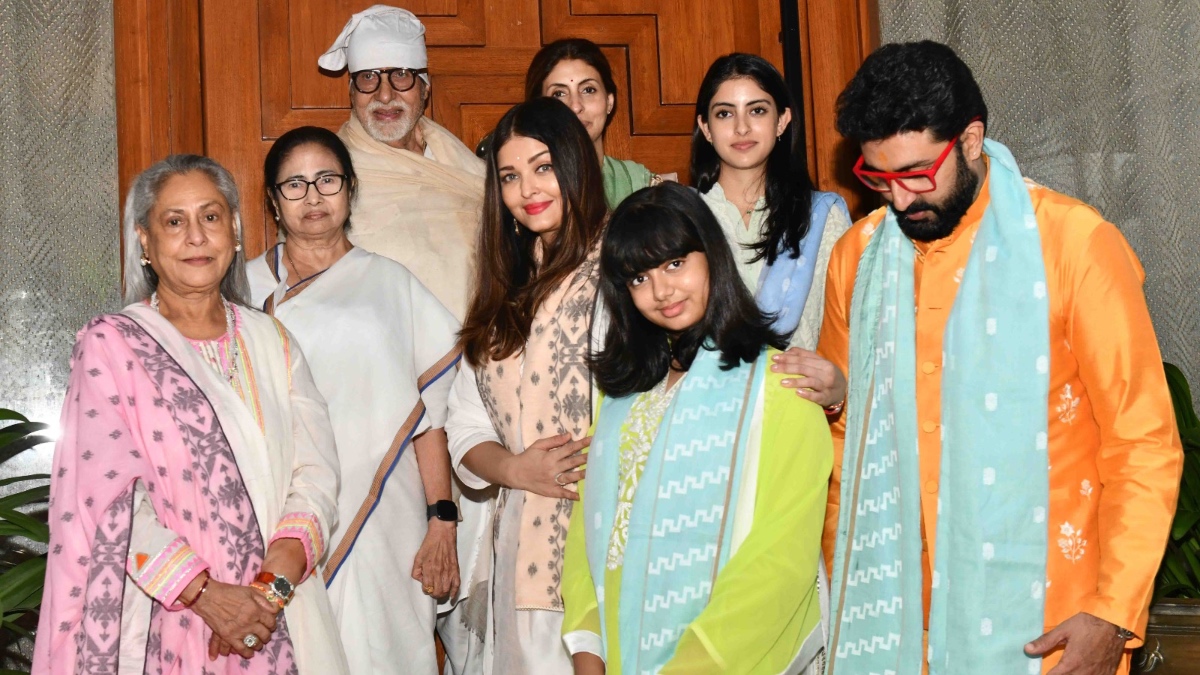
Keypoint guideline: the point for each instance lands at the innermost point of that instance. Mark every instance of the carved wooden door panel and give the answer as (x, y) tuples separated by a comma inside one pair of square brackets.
[(227, 77), (260, 75)]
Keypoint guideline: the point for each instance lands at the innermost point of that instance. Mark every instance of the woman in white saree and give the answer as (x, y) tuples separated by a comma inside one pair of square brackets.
[(382, 351)]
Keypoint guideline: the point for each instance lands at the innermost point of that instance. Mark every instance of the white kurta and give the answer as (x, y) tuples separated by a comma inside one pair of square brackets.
[(371, 331), (538, 645), (739, 236)]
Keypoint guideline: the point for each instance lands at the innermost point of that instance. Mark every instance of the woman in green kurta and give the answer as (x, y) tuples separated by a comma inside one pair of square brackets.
[(577, 73), (699, 544)]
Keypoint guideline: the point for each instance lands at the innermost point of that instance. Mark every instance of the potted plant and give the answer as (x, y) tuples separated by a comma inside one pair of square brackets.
[(23, 538), (1173, 635)]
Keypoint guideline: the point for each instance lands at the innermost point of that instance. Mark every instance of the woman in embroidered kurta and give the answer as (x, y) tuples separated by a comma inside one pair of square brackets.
[(196, 477), (695, 554), (750, 164), (525, 340), (380, 347), (576, 72)]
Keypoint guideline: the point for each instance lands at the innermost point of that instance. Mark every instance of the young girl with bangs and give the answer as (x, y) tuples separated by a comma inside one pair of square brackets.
[(699, 545)]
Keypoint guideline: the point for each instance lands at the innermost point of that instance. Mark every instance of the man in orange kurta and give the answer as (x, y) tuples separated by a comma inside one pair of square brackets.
[(1115, 456)]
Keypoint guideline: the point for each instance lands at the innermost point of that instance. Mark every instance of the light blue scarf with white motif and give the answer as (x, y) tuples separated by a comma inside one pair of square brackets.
[(681, 526), (783, 286), (990, 562)]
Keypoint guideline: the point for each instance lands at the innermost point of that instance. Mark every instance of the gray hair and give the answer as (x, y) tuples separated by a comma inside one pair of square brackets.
[(141, 281)]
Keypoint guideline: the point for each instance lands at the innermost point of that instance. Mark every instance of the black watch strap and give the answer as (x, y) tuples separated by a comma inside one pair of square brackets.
[(443, 509)]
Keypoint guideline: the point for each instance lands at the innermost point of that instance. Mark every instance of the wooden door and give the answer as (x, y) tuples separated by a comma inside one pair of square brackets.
[(227, 77)]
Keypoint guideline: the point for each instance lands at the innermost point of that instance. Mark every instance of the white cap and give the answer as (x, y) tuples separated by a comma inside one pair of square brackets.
[(378, 37)]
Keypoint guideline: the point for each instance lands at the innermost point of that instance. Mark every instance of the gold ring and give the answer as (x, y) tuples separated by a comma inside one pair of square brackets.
[(428, 590)]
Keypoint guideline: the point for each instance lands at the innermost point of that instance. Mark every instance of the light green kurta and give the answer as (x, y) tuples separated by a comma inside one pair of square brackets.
[(764, 603), (623, 177)]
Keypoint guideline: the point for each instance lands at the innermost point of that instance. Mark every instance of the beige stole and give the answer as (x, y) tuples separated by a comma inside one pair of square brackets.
[(547, 390), (423, 213)]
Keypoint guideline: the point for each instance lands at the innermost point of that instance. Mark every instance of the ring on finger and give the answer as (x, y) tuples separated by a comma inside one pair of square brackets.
[(558, 479), (428, 590), (251, 641)]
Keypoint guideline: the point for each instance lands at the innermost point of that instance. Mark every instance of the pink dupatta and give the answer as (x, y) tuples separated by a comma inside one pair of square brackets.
[(132, 413)]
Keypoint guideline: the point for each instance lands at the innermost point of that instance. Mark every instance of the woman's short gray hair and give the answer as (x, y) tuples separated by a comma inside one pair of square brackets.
[(141, 281)]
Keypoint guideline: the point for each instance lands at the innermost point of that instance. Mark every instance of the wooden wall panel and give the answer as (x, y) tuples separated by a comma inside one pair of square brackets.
[(839, 34), (226, 77)]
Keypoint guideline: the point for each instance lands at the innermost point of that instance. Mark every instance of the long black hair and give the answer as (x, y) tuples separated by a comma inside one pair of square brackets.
[(788, 187), (652, 226), (509, 283)]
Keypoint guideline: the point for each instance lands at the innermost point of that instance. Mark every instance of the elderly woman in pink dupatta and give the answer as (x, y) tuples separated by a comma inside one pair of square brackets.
[(521, 406), (196, 479)]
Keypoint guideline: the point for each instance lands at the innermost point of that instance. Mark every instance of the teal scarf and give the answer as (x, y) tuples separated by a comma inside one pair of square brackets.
[(680, 528), (990, 563)]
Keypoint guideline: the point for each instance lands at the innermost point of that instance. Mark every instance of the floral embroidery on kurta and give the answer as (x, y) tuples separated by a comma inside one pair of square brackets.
[(1072, 543)]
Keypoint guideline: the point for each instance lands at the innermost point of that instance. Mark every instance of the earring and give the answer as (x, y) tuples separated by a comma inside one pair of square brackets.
[(145, 260), (779, 138), (238, 247)]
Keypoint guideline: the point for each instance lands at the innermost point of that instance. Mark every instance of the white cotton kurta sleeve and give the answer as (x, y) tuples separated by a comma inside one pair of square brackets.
[(313, 489), (467, 424)]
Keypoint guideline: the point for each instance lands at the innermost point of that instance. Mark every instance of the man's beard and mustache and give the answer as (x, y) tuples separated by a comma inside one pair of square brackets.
[(942, 218), (388, 132)]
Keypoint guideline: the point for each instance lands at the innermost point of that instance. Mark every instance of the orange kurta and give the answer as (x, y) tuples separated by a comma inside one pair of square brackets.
[(1115, 454)]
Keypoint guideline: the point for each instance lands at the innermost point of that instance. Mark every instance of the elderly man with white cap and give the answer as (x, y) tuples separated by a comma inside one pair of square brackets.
[(420, 188), (419, 197)]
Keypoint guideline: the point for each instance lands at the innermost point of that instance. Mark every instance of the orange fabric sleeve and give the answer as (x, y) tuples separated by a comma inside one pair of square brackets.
[(1140, 458)]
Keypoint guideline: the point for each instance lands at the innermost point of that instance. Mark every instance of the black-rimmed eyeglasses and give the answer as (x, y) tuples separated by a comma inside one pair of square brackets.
[(400, 79), (297, 188)]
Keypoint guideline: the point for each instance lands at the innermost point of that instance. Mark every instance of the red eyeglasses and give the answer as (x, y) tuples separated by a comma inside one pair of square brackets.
[(916, 182)]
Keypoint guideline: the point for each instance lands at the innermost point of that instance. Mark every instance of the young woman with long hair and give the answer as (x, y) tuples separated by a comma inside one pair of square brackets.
[(576, 72), (521, 405), (705, 495), (749, 162)]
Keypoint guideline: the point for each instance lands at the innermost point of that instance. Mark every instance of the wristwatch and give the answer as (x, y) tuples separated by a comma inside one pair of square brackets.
[(1125, 634), (443, 509), (277, 585)]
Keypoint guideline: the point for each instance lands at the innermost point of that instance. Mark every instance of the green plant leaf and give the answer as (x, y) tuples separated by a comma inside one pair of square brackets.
[(21, 582), (18, 479), (1181, 397), (33, 495), (10, 450), (33, 528), (6, 414), (1184, 522)]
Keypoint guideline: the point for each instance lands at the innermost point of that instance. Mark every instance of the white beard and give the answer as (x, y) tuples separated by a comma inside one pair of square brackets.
[(388, 132)]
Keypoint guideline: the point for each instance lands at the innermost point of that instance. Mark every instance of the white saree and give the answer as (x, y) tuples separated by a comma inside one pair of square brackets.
[(382, 351)]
